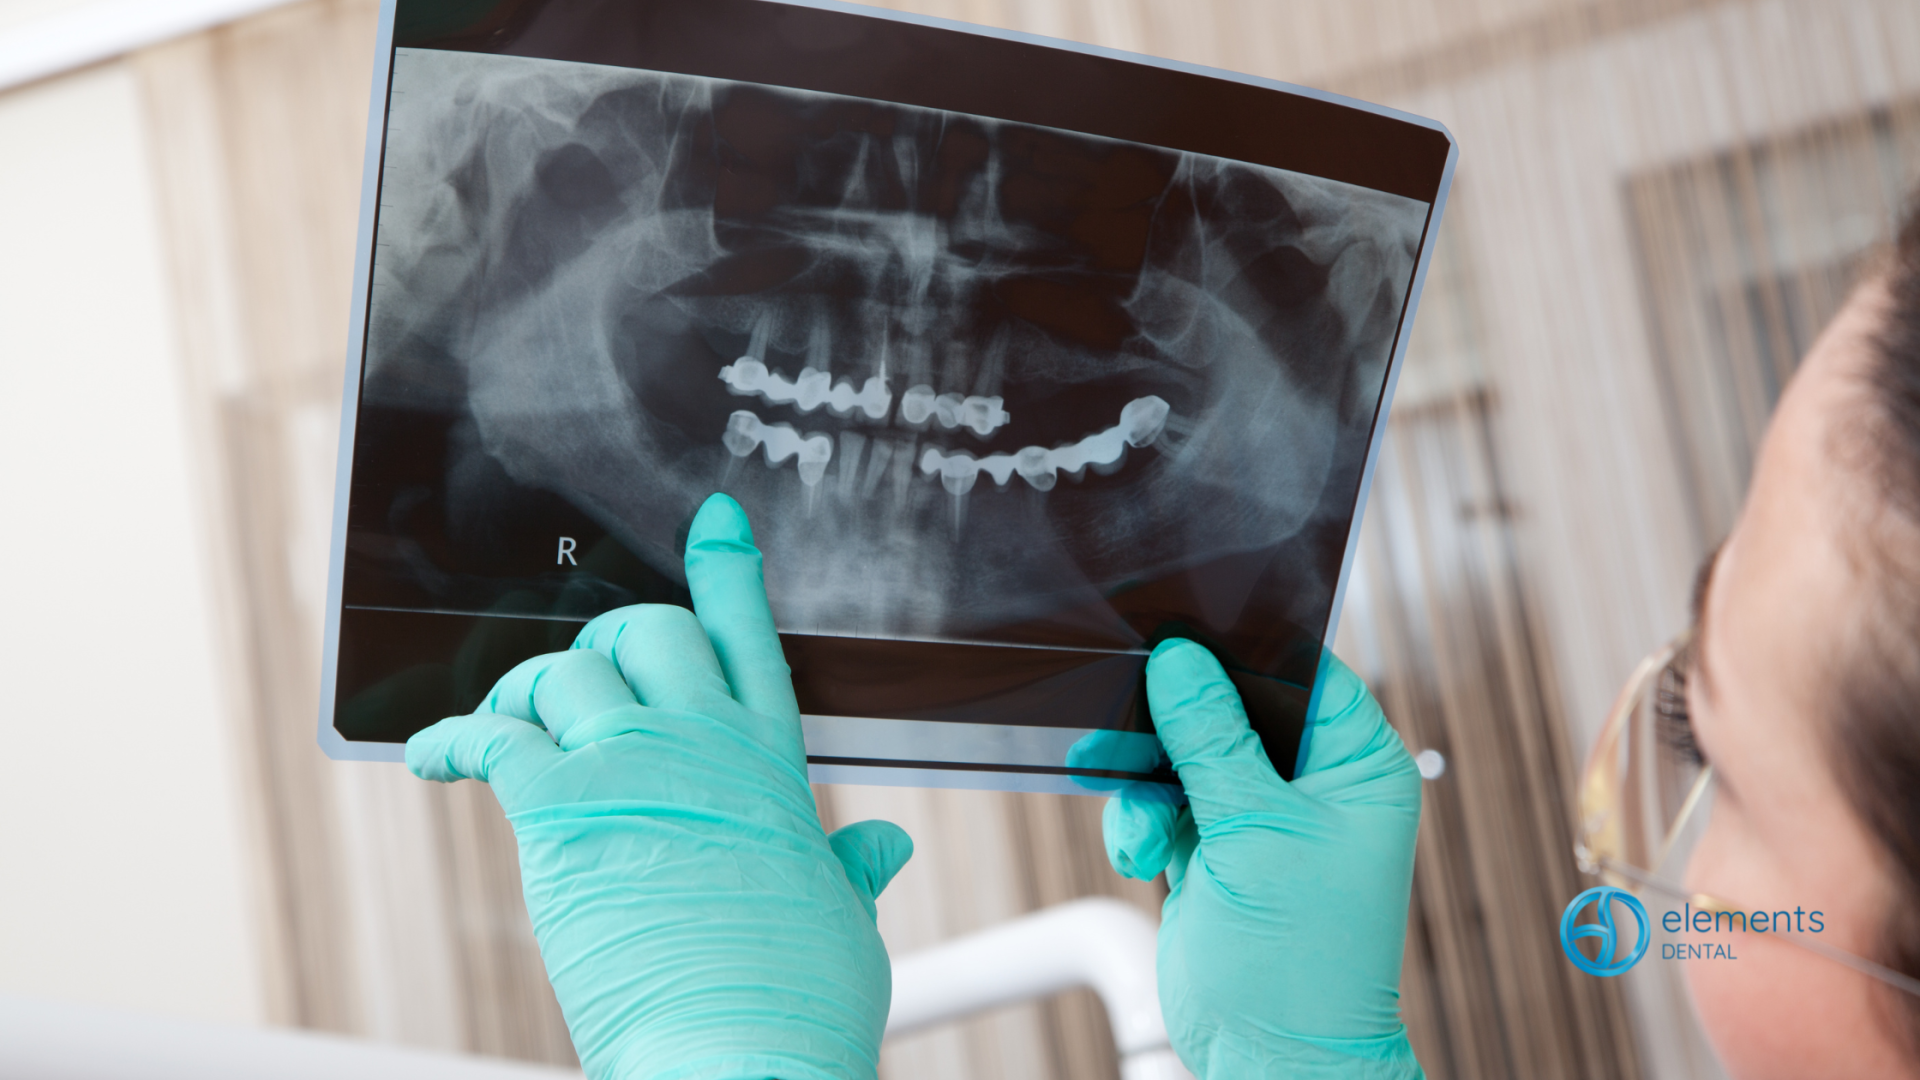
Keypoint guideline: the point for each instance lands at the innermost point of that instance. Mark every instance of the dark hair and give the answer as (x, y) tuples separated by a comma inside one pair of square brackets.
[(1878, 706)]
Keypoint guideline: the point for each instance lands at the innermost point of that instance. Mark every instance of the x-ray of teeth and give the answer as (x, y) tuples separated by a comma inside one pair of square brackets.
[(1011, 388), (593, 267)]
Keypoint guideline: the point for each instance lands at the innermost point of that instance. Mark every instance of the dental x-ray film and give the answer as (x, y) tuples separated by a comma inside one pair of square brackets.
[(1021, 357)]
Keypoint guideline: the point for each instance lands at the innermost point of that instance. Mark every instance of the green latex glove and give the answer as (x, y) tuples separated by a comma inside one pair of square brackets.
[(1281, 938), (695, 920)]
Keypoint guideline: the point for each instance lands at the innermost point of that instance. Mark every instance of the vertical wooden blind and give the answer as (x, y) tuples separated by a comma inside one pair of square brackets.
[(1440, 621), (1660, 201)]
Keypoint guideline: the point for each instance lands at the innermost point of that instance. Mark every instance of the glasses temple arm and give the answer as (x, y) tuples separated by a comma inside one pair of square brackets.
[(1694, 795), (1898, 980)]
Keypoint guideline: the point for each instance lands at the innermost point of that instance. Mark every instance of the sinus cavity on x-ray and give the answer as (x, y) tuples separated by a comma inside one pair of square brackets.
[(1005, 403)]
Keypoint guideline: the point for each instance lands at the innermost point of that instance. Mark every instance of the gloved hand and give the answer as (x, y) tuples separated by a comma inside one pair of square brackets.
[(695, 920), (1281, 937)]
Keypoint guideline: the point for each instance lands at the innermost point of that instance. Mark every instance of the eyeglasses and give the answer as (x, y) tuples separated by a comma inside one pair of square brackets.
[(1645, 795)]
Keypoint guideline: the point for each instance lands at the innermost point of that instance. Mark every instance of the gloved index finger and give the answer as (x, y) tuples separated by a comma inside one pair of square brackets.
[(1203, 725), (503, 751), (730, 597)]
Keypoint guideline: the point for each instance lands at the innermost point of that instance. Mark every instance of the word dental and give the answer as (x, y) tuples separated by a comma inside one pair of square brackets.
[(1797, 921)]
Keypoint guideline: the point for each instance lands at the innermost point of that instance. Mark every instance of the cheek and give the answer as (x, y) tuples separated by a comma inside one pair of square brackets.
[(1778, 1010), (1738, 1007), (1743, 1015)]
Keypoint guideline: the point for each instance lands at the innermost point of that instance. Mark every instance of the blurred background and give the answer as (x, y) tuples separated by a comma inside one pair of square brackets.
[(1659, 204)]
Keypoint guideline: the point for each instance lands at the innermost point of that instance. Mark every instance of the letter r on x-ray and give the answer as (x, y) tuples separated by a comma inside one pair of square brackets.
[(565, 556)]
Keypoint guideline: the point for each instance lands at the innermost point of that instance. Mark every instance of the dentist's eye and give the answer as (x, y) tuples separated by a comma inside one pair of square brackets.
[(1671, 719)]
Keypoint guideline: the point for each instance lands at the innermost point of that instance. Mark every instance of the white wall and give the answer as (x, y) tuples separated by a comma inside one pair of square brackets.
[(124, 875), (17, 13)]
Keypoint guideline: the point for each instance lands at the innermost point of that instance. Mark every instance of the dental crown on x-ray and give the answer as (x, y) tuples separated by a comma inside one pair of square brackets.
[(814, 388), (1142, 421)]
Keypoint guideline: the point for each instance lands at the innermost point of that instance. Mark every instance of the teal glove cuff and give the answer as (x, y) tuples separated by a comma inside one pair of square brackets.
[(1295, 1057)]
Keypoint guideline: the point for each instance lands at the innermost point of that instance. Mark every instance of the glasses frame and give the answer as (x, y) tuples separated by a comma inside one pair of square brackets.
[(1600, 841)]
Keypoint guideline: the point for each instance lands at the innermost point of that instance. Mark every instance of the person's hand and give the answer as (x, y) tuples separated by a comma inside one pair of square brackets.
[(695, 920), (1286, 914)]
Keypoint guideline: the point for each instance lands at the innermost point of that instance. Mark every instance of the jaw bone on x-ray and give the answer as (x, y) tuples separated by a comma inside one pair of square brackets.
[(976, 382)]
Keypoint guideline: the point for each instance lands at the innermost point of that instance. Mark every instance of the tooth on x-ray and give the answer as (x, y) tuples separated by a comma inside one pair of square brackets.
[(851, 444), (984, 415), (876, 468), (811, 390), (1141, 422), (746, 431)]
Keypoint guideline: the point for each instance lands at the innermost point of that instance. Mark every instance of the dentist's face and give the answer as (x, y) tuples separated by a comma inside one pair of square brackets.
[(963, 375), (1783, 604)]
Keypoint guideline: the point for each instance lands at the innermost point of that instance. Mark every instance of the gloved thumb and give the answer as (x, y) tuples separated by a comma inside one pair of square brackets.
[(871, 853), (1201, 721)]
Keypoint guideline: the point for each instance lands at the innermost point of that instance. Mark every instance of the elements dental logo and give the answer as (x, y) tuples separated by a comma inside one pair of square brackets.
[(1609, 959)]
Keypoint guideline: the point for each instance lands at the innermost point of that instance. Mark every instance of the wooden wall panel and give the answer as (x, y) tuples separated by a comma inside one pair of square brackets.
[(254, 230), (394, 906)]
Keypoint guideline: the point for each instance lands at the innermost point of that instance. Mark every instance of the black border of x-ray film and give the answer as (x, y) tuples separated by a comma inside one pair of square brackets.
[(915, 60)]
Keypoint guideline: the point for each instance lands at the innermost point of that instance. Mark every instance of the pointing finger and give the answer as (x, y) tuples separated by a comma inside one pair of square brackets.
[(730, 596)]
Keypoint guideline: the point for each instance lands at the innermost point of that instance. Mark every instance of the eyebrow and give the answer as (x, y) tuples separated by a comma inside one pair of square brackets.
[(1702, 583)]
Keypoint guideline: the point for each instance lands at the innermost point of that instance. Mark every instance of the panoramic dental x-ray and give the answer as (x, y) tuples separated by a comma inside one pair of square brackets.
[(978, 383)]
